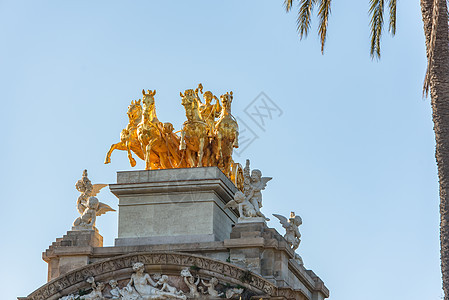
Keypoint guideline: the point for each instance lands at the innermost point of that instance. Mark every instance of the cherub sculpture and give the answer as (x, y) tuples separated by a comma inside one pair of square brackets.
[(191, 283), (88, 206), (115, 290), (252, 187), (87, 189), (211, 287), (167, 287), (250, 201), (245, 208), (292, 235), (97, 290)]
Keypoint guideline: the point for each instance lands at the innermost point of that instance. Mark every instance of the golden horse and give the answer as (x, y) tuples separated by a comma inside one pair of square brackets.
[(194, 131), (226, 136), (158, 141), (128, 137)]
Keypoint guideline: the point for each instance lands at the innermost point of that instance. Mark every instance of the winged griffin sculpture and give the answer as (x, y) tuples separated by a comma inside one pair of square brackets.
[(88, 205)]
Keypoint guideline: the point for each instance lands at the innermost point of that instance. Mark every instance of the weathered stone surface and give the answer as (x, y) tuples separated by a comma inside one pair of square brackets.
[(173, 206), (169, 263), (196, 234), (71, 251)]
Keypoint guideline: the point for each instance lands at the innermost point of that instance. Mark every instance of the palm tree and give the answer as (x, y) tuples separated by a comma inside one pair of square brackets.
[(435, 19)]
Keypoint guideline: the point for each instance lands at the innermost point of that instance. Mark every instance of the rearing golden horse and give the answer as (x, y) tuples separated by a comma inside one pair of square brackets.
[(226, 135), (194, 130), (128, 137), (159, 143)]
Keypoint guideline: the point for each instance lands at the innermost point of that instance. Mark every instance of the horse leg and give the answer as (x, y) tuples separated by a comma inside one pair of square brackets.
[(189, 158), (182, 145), (207, 156), (155, 161), (236, 140), (227, 166), (201, 152), (119, 146), (132, 161), (218, 154), (165, 162), (148, 165)]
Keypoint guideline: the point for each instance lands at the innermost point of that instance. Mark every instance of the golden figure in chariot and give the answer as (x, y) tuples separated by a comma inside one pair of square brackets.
[(207, 137)]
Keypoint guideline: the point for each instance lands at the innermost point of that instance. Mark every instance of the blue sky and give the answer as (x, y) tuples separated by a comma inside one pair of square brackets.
[(352, 152)]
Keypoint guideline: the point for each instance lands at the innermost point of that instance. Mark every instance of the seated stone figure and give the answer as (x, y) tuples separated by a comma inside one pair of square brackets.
[(246, 209), (143, 285)]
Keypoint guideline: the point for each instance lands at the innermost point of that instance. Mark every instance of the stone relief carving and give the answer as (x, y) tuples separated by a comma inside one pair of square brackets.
[(211, 291), (88, 205), (146, 288), (141, 286), (249, 202), (255, 283), (191, 283), (95, 294), (291, 225), (115, 290), (97, 290), (234, 293)]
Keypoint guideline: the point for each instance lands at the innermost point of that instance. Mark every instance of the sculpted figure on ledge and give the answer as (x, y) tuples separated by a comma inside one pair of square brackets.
[(291, 225), (88, 206), (249, 202)]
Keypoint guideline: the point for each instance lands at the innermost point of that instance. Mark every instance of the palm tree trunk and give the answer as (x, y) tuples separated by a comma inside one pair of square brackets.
[(439, 91)]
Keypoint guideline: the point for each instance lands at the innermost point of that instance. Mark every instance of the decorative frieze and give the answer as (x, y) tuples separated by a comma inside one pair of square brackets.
[(205, 268)]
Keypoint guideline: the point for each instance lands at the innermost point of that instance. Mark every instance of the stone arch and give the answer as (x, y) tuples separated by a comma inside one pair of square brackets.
[(169, 263)]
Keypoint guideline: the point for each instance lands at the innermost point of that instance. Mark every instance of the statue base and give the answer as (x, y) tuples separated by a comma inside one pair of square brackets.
[(252, 220), (173, 206), (71, 251)]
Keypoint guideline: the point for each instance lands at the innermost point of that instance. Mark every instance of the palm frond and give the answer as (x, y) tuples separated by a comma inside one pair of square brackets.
[(376, 11), (392, 26), (323, 14), (304, 17), (288, 5)]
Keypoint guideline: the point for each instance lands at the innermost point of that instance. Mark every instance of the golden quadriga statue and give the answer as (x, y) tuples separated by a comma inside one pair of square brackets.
[(206, 139)]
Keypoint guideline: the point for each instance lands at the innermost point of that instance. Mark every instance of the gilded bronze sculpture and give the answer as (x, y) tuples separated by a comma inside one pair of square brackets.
[(207, 137), (128, 137)]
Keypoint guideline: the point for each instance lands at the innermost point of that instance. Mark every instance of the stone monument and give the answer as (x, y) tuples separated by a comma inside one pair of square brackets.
[(190, 226)]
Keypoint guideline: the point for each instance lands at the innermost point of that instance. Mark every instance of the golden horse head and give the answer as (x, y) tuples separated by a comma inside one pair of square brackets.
[(188, 98), (226, 99), (148, 99), (190, 103), (134, 110)]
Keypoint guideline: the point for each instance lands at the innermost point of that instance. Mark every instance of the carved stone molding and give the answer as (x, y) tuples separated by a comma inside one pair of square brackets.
[(161, 261)]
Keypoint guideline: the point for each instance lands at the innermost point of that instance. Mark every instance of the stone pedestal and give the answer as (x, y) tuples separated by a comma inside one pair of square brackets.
[(173, 206), (71, 251), (172, 220), (262, 250)]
